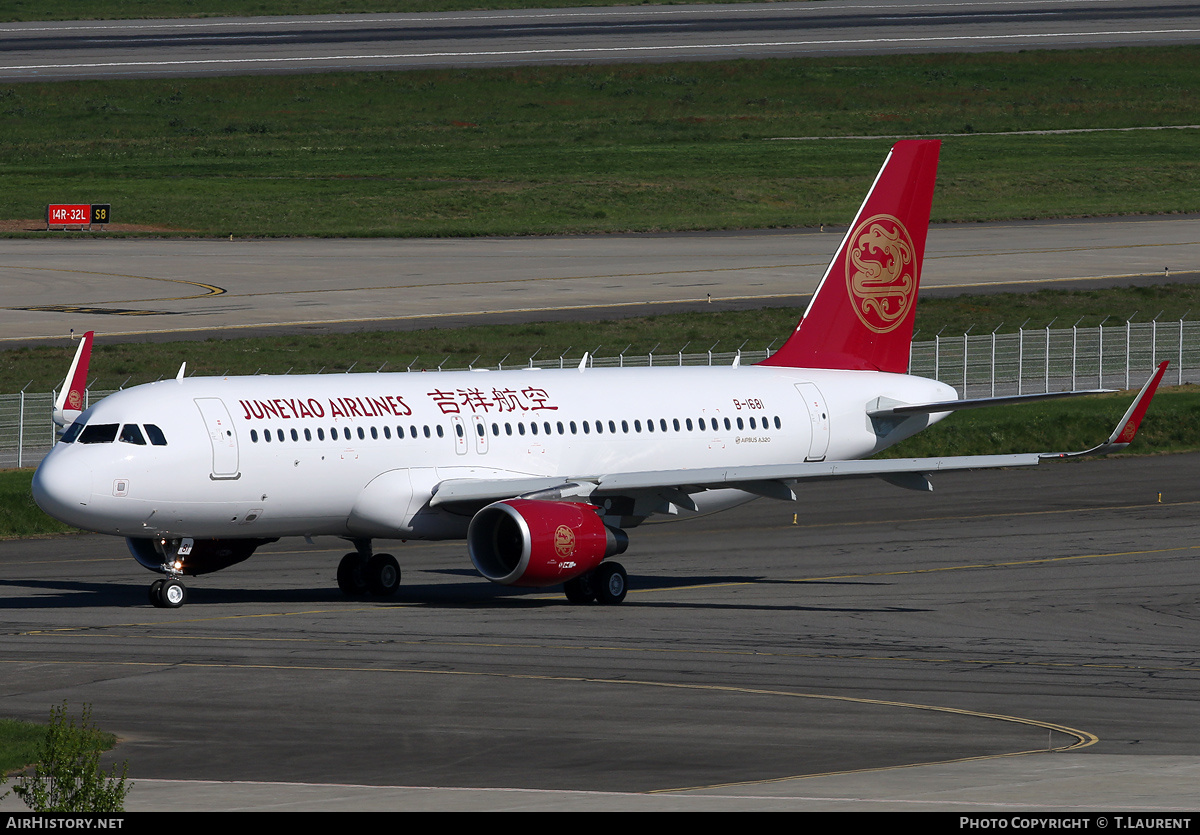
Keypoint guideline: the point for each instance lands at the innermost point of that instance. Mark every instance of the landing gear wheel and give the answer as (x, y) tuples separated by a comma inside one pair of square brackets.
[(351, 577), (581, 589), (383, 575), (156, 593), (610, 582), (173, 594)]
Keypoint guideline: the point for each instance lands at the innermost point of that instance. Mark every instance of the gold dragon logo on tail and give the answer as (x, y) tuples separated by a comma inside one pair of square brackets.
[(880, 273)]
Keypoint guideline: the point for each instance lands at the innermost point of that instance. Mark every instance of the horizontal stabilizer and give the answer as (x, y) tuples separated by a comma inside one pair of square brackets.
[(976, 403)]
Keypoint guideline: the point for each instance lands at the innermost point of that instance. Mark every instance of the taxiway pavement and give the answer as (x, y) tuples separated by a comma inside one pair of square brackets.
[(1014, 640), (125, 289)]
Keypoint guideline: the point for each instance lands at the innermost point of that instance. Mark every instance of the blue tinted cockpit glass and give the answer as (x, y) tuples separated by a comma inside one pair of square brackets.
[(72, 432), (156, 435)]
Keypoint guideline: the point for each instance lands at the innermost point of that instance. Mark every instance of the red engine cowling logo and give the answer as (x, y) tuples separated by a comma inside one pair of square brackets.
[(525, 542)]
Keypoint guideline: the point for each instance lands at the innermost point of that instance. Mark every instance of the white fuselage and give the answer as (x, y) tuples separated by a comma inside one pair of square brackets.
[(271, 456)]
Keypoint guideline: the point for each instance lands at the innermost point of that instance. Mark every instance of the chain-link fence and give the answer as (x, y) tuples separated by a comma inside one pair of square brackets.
[(985, 365), (1064, 359)]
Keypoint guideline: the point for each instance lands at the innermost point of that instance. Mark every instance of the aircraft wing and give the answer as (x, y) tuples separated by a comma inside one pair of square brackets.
[(771, 480)]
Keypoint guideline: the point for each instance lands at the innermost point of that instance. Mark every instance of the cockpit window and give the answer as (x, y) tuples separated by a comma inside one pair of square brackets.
[(131, 434), (72, 432), (98, 433), (156, 435)]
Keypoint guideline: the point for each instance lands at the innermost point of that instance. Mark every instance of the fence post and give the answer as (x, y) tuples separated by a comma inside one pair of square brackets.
[(1128, 334), (1020, 357), (21, 432), (1047, 366), (964, 394), (993, 364), (1154, 342), (1074, 353)]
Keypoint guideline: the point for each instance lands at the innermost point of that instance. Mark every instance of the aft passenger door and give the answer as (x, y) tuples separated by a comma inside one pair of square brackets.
[(818, 413)]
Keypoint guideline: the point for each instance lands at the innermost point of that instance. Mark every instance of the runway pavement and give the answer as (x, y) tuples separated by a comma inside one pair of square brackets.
[(1016, 640), (171, 288), (232, 46)]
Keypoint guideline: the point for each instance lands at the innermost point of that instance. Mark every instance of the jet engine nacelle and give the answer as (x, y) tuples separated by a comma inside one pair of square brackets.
[(203, 557), (526, 542)]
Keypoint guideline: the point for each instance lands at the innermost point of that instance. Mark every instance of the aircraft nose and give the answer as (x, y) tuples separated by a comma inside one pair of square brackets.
[(61, 490)]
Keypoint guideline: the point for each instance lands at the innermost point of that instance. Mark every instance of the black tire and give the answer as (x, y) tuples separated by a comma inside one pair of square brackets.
[(610, 582), (173, 594), (155, 593), (580, 590), (383, 575), (351, 578)]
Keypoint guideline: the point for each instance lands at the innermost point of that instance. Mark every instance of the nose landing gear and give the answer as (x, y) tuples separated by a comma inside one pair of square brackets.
[(168, 593)]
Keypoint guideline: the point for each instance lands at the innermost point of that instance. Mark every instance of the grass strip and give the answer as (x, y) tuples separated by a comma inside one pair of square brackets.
[(1171, 425), (20, 743), (19, 516), (548, 150)]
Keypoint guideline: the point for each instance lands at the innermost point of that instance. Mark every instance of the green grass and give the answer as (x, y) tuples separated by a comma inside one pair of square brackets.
[(20, 745), (1171, 425), (19, 516), (546, 150)]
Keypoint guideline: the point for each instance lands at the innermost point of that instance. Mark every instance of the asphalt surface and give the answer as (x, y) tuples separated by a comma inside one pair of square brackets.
[(1013, 641), (167, 289), (1018, 639), (230, 46)]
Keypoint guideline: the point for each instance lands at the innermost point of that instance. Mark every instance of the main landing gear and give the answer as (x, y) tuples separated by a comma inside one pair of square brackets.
[(361, 572), (606, 585)]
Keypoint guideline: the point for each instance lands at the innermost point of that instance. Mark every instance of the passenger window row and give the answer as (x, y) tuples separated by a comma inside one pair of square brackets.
[(345, 434), (599, 427)]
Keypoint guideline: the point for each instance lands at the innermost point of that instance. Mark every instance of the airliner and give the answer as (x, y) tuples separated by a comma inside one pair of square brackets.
[(542, 472)]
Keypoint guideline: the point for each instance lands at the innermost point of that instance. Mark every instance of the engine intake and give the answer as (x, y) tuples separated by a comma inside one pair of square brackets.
[(526, 542)]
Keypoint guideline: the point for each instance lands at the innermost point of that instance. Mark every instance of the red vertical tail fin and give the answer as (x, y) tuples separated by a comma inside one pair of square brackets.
[(861, 316)]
